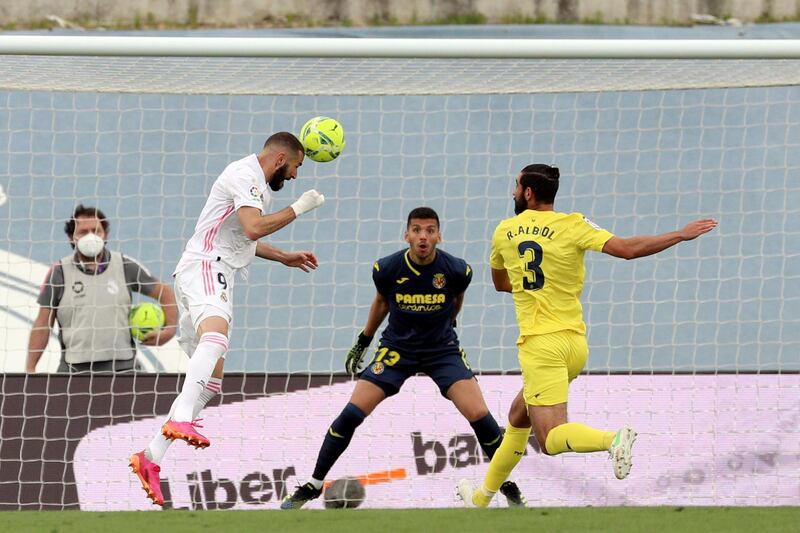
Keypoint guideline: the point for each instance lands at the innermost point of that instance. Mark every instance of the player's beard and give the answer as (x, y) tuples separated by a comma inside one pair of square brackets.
[(276, 183), (520, 205)]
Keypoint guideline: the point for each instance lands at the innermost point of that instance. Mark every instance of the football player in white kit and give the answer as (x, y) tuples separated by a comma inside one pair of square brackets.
[(226, 238)]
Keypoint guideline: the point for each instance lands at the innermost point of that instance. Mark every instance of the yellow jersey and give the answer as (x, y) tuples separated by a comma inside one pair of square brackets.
[(542, 251)]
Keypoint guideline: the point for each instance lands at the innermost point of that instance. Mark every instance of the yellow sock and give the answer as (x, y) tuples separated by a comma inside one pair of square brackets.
[(480, 498), (575, 437), (505, 459)]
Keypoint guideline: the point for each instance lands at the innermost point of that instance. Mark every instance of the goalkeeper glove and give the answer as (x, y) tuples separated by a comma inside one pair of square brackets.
[(355, 357)]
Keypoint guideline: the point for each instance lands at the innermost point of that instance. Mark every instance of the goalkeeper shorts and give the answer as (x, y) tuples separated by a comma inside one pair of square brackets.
[(390, 368), (549, 363)]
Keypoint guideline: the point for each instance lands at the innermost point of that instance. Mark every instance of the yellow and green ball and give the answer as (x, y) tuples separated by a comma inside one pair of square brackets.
[(144, 318), (322, 138)]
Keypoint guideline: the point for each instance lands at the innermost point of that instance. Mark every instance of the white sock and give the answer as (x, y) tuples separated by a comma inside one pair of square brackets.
[(213, 388), (212, 346), (317, 483), (160, 444)]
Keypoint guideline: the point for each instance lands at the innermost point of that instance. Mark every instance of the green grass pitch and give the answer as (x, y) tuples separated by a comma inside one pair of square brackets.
[(615, 519)]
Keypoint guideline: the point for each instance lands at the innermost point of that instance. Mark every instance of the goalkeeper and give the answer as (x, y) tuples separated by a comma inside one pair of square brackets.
[(422, 290)]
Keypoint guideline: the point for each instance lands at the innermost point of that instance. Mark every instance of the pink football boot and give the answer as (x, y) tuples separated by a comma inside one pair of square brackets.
[(148, 475), (185, 431)]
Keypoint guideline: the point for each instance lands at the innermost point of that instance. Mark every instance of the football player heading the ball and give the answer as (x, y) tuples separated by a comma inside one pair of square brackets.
[(421, 289), (226, 239)]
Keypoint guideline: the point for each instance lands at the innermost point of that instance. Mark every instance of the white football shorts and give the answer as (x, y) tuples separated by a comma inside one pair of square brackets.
[(202, 289)]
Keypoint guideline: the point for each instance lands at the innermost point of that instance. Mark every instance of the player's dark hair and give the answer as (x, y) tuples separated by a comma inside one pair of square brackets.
[(423, 213), (284, 139), (542, 180), (82, 211)]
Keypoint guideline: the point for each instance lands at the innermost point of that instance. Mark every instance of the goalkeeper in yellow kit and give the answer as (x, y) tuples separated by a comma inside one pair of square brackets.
[(537, 256)]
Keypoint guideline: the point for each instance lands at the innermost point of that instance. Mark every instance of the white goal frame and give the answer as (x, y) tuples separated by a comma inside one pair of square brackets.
[(401, 48)]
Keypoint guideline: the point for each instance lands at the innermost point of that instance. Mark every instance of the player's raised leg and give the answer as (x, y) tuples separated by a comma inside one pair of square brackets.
[(556, 435), (365, 398), (466, 395), (550, 363), (145, 464), (213, 333), (160, 444)]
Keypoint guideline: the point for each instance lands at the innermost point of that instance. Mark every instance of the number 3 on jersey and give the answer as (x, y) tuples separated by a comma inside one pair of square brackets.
[(534, 279)]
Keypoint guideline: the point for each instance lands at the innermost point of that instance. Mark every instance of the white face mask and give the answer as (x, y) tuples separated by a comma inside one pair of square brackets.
[(90, 245)]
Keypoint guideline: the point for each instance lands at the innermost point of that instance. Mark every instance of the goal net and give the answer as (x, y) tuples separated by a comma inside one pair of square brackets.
[(697, 346)]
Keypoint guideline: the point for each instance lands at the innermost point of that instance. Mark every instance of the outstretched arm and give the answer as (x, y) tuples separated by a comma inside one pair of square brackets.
[(305, 261), (644, 245), (257, 225)]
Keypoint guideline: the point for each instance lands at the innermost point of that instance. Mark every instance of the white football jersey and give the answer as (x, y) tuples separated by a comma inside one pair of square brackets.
[(219, 235)]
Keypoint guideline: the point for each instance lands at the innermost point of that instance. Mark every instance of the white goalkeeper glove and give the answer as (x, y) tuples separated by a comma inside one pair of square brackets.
[(308, 200)]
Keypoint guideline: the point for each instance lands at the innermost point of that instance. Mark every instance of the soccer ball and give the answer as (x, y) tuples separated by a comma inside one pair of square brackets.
[(322, 138), (346, 493), (144, 318)]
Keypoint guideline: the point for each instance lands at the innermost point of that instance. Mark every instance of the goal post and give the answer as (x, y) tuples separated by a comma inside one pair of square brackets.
[(338, 67), (699, 343), (400, 47)]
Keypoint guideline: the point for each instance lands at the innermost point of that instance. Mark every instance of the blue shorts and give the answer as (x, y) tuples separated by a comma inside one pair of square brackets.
[(390, 368)]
